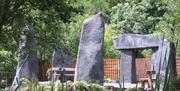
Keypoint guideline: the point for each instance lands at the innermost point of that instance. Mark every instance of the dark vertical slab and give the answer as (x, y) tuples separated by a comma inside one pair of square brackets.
[(155, 61), (89, 65), (128, 66), (28, 63), (167, 66)]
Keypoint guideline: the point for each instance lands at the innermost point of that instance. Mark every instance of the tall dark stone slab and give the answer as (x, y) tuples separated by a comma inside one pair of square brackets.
[(128, 66), (154, 63), (167, 65), (28, 63), (89, 65), (163, 60)]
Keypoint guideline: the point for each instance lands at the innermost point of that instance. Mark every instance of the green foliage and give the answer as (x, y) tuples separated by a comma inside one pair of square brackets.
[(7, 66), (73, 35), (176, 83), (92, 6), (109, 51), (48, 73), (145, 53), (68, 85), (132, 89), (160, 17), (96, 87), (49, 19), (33, 85), (54, 21), (80, 86), (137, 16), (7, 61), (168, 27)]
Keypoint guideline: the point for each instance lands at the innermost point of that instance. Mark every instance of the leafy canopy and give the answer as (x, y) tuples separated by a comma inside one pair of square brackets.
[(137, 16)]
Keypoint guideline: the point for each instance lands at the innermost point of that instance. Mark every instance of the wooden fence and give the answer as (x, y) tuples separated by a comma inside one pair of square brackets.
[(112, 68)]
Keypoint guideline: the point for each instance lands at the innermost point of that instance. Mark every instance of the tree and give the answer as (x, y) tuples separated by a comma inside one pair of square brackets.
[(168, 27), (49, 18), (137, 16), (109, 51), (73, 35)]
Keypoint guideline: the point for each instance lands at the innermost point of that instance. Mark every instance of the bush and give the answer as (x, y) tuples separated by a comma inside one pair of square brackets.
[(7, 67), (132, 89), (34, 85), (176, 83)]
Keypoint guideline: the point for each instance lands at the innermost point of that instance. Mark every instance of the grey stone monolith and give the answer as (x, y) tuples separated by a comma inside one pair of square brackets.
[(89, 65), (27, 60), (128, 66)]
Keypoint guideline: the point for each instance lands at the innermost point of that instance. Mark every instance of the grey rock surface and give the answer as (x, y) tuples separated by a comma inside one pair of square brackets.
[(28, 63), (135, 41), (163, 60), (89, 65), (60, 58), (128, 66)]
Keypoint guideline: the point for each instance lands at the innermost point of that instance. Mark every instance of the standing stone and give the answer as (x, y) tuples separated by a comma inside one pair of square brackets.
[(28, 63), (154, 63), (89, 65), (128, 66), (167, 66)]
